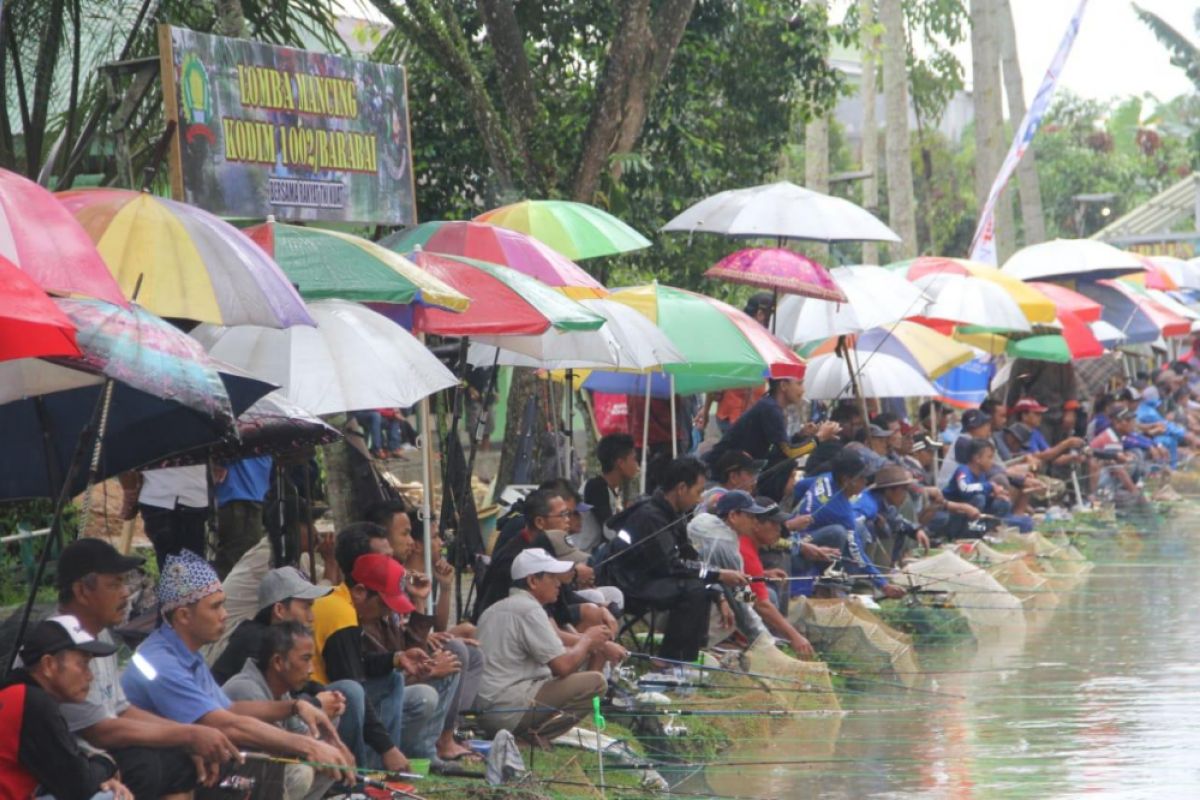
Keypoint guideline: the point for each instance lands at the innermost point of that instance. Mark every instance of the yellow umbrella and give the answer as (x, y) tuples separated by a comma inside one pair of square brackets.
[(1034, 305), (932, 353)]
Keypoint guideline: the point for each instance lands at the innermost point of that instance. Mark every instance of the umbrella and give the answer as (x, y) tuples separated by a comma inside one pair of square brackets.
[(780, 270), (1121, 312), (878, 375), (184, 262), (1156, 276), (627, 341), (1033, 302), (1106, 334), (31, 325), (576, 230), (782, 211), (168, 396), (504, 301), (1075, 342), (502, 246), (931, 353), (326, 264), (41, 238), (1168, 322), (354, 359), (967, 385), (876, 297), (963, 299), (1071, 259), (1065, 299)]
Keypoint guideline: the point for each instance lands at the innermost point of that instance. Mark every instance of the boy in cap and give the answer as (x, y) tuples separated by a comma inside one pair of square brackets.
[(880, 508), (734, 470), (156, 756), (36, 748), (169, 677), (530, 677)]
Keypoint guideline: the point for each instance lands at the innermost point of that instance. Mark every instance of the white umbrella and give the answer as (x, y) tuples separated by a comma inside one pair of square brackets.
[(1071, 259), (971, 301), (1171, 304), (784, 211), (828, 378), (876, 297), (1106, 333), (627, 341), (354, 359), (1186, 274)]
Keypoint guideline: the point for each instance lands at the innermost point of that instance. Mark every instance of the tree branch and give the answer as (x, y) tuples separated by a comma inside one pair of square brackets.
[(516, 82)]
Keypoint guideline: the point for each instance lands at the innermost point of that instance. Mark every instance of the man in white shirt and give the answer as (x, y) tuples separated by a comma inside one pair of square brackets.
[(174, 507)]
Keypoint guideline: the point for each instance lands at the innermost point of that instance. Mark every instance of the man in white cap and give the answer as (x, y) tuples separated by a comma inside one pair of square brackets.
[(531, 680)]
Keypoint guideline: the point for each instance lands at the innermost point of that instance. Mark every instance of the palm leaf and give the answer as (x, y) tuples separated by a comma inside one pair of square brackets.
[(1184, 54)]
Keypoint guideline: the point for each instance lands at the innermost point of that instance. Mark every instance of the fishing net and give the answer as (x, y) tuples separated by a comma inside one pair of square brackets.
[(985, 603), (765, 658), (845, 632), (1063, 566)]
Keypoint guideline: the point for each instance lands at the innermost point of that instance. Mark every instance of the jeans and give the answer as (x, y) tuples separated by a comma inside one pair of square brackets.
[(239, 527), (372, 425), (410, 714), (471, 658), (350, 726), (830, 536)]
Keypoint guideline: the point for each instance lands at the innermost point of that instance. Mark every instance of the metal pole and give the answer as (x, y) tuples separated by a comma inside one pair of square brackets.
[(933, 419), (674, 437), (646, 430), (570, 422), (427, 478)]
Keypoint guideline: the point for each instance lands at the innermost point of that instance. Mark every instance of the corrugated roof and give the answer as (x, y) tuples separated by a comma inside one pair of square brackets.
[(1159, 214)]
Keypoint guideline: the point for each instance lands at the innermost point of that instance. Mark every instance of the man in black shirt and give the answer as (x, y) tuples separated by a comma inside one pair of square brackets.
[(617, 454)]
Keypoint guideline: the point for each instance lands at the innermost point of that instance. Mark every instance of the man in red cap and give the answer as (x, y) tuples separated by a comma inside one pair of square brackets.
[(1029, 411)]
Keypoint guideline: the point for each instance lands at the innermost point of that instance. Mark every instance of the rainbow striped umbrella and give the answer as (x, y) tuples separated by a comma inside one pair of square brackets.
[(502, 246), (328, 265), (42, 239), (1034, 305), (576, 230), (183, 262)]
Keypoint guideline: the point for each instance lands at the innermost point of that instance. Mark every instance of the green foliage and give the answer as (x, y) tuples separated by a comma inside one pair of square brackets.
[(1184, 54), (19, 559)]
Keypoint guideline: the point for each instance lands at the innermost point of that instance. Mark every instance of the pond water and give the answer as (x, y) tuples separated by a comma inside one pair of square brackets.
[(1101, 699)]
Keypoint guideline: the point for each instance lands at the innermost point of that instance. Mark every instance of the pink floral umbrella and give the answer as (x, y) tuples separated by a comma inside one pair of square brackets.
[(780, 270)]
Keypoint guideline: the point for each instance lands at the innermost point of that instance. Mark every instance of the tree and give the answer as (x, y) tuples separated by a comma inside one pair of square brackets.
[(816, 142), (989, 119), (897, 143), (869, 45), (1184, 54), (1030, 189)]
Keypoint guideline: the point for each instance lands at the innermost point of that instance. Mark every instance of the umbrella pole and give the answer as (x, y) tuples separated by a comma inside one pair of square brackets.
[(570, 422), (674, 437), (427, 478), (308, 521), (852, 368), (933, 420), (485, 409), (646, 430)]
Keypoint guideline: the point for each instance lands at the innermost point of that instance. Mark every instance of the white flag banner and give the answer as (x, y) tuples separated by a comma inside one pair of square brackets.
[(983, 246)]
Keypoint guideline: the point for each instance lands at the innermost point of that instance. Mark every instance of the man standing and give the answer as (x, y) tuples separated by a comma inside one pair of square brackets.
[(36, 749), (174, 507), (241, 487), (156, 756), (530, 678)]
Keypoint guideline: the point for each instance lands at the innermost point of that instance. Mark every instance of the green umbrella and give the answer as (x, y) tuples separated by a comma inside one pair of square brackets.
[(576, 230), (327, 264), (1047, 347)]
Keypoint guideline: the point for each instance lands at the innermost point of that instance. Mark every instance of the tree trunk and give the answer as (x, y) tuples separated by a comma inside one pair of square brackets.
[(901, 202), (1030, 189), (516, 82), (869, 45), (816, 142), (989, 119)]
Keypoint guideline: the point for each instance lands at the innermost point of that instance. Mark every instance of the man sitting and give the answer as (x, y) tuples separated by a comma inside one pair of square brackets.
[(969, 484), (169, 678), (155, 755), (36, 749), (735, 470), (880, 508), (1117, 469), (530, 677), (279, 671), (617, 454), (653, 563)]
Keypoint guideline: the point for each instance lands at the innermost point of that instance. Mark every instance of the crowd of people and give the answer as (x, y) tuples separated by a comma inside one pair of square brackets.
[(362, 660)]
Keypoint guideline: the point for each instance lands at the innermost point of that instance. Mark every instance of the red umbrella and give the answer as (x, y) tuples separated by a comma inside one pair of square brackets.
[(1079, 337), (31, 325), (1064, 299), (39, 236), (780, 270), (1167, 321)]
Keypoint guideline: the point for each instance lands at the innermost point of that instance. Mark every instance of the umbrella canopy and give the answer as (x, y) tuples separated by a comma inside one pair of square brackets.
[(778, 269), (1167, 321), (1156, 276), (168, 397), (782, 211), (878, 375), (876, 298), (502, 246), (354, 359), (1065, 299), (1122, 312), (627, 341), (931, 353), (503, 301), (1185, 274), (189, 263), (1071, 259), (31, 325), (967, 385), (1106, 334), (576, 230), (967, 300), (1034, 305), (41, 237), (326, 264), (723, 348)]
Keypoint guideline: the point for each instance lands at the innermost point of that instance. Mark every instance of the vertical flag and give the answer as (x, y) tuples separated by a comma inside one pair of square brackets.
[(983, 245)]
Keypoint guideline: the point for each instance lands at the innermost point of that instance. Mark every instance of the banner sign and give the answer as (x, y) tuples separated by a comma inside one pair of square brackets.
[(264, 130), (983, 245)]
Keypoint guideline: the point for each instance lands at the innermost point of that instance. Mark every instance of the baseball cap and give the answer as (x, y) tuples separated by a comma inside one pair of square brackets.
[(383, 575), (734, 461), (56, 634), (927, 442), (84, 556), (1020, 431), (1071, 405), (877, 432), (535, 560), (1027, 404), (286, 583), (738, 500), (1123, 413), (893, 475), (974, 418), (773, 511)]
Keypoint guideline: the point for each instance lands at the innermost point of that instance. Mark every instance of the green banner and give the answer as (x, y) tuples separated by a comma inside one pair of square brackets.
[(265, 130)]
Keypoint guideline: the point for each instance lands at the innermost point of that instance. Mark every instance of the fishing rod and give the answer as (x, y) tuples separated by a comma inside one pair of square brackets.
[(723, 670), (362, 772)]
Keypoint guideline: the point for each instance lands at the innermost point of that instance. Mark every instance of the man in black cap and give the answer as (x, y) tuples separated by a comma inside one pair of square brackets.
[(734, 471), (156, 756), (36, 748)]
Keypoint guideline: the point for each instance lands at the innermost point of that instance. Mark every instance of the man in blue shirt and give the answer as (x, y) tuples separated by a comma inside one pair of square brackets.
[(241, 487), (169, 677), (1028, 411)]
